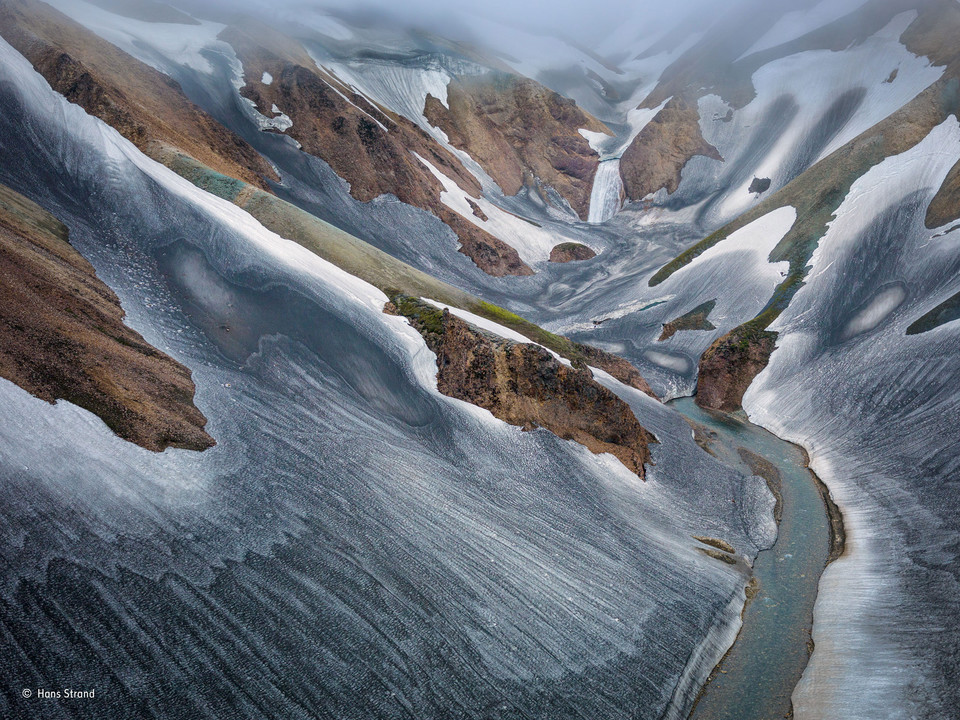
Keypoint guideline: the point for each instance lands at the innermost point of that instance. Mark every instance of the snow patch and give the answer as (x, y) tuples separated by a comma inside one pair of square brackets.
[(533, 243), (876, 312), (814, 80), (798, 23), (162, 46), (267, 78)]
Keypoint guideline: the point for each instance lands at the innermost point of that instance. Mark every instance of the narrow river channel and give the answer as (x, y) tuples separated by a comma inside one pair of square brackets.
[(757, 676)]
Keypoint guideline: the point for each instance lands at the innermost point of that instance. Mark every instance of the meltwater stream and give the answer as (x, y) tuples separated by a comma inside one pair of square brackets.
[(757, 677)]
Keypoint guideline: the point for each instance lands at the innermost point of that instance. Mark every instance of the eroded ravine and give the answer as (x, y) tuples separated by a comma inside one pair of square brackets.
[(756, 678)]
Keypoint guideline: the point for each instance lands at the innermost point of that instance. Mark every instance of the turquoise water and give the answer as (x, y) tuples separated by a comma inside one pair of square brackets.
[(756, 679)]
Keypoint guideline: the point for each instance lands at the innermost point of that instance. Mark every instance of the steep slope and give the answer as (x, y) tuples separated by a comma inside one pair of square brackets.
[(146, 106), (376, 151), (816, 194), (62, 336), (521, 133), (723, 66)]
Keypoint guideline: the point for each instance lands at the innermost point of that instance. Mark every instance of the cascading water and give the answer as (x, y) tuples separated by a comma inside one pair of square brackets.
[(607, 193)]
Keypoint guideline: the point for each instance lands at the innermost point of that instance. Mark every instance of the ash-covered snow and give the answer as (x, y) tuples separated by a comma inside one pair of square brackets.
[(531, 242), (356, 542), (878, 409)]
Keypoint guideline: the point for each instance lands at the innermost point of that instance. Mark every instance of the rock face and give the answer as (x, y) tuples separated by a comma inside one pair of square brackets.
[(945, 206), (659, 152), (571, 252), (521, 133), (372, 148), (695, 319), (62, 336), (759, 186), (730, 364), (145, 106), (524, 385)]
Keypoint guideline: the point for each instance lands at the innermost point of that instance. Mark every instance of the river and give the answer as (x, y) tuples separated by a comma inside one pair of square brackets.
[(756, 678)]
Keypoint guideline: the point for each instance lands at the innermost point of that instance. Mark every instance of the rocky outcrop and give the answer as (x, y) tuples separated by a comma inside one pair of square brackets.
[(758, 186), (521, 133), (62, 336), (945, 206), (658, 154), (695, 319), (145, 106), (525, 385), (571, 252), (729, 366), (375, 150)]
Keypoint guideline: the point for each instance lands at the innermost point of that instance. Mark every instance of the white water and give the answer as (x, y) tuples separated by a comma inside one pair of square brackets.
[(607, 193)]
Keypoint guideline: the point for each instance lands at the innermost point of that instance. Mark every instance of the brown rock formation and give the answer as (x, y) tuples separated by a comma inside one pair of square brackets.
[(372, 148), (729, 366), (524, 385), (145, 106), (62, 336), (571, 252), (521, 132), (695, 319), (616, 366), (660, 151), (945, 206)]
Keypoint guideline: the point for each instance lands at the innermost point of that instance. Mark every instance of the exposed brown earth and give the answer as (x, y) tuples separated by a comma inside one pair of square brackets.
[(729, 366), (373, 149), (524, 385), (695, 319), (145, 106), (660, 151), (62, 337), (571, 252), (521, 133)]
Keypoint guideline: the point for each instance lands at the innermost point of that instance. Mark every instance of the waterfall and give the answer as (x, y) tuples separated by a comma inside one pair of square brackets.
[(607, 192)]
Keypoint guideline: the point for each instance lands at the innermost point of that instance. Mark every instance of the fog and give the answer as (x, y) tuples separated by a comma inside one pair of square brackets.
[(585, 22)]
